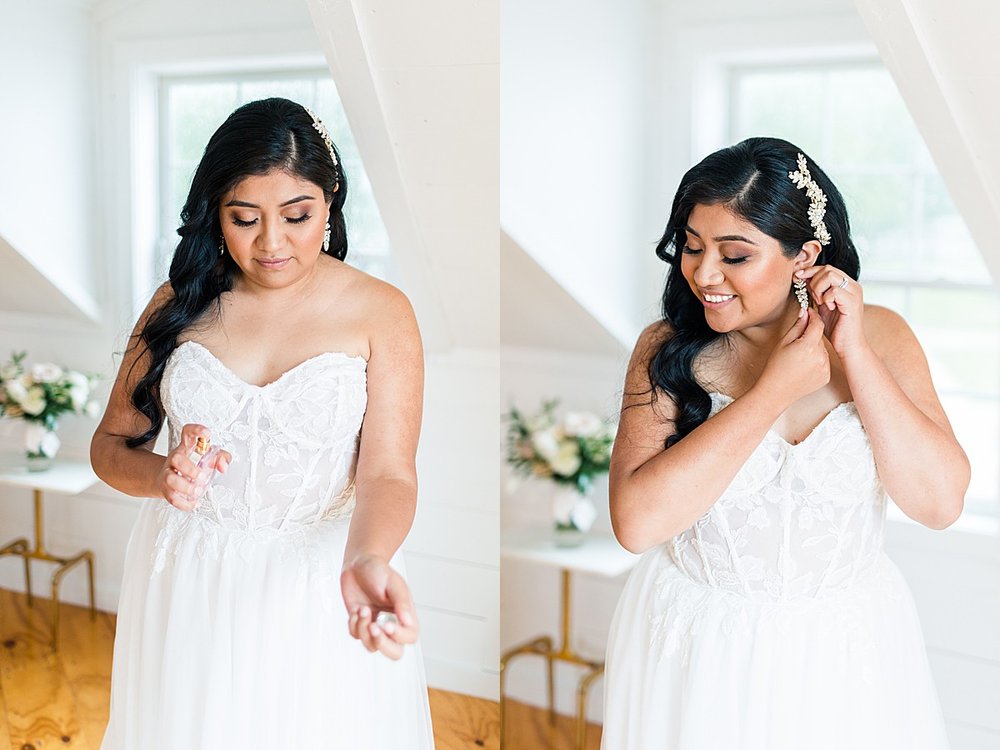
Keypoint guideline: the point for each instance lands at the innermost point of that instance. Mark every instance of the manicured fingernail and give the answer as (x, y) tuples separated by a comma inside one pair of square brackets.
[(389, 628), (406, 618), (364, 612), (375, 630)]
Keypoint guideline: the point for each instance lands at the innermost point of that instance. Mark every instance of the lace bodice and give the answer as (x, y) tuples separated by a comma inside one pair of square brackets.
[(797, 520), (294, 441)]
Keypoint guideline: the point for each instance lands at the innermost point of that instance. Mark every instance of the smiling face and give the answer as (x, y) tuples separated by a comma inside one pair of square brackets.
[(273, 226), (740, 275)]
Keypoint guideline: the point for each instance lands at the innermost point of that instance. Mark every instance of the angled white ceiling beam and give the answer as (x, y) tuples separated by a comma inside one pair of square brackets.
[(945, 61), (24, 288)]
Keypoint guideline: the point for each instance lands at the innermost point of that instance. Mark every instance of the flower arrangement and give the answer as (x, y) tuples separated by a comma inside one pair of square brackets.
[(569, 450), (40, 395)]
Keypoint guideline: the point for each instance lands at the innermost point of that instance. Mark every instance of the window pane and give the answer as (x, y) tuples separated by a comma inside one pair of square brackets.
[(197, 109), (867, 131), (780, 103), (297, 90)]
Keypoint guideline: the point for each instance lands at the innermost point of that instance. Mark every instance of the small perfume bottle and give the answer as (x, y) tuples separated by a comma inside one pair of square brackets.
[(203, 456)]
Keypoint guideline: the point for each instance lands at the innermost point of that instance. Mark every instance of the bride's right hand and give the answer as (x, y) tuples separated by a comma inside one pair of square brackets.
[(175, 480), (800, 363)]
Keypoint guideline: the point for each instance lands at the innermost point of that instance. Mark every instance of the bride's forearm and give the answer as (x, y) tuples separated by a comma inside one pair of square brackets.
[(920, 463), (132, 471), (383, 515)]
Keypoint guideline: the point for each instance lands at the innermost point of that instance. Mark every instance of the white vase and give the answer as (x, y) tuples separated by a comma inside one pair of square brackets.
[(574, 514), (40, 446)]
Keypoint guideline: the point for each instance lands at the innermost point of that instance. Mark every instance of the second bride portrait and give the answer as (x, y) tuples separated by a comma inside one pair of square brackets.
[(766, 423), (745, 245)]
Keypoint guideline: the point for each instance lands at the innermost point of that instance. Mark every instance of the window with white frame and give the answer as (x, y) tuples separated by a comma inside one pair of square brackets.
[(192, 107), (917, 256)]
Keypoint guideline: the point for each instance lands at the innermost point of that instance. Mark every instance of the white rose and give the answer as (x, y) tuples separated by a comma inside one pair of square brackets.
[(581, 424), (8, 373), (34, 401), (77, 379), (46, 372), (92, 409), (38, 439), (79, 398), (79, 390), (546, 443), (567, 460), (17, 391), (583, 514)]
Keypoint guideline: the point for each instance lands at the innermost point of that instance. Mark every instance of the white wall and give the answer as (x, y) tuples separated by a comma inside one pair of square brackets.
[(530, 594), (46, 143), (572, 138), (452, 551)]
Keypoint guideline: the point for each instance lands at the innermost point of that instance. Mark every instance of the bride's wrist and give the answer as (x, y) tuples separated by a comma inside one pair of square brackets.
[(362, 559)]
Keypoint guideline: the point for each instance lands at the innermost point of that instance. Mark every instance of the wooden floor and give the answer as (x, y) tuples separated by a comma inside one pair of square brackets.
[(528, 728), (60, 700)]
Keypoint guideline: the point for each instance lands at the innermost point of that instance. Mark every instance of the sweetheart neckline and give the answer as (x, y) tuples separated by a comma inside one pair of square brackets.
[(282, 376), (844, 405)]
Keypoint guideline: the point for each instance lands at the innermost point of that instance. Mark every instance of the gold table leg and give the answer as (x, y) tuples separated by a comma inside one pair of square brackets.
[(544, 647), (21, 548)]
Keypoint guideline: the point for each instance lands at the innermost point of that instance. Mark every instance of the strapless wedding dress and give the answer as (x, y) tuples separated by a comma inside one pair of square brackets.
[(232, 632), (776, 622)]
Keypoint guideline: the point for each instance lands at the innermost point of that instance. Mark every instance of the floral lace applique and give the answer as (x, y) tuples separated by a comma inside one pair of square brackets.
[(294, 445)]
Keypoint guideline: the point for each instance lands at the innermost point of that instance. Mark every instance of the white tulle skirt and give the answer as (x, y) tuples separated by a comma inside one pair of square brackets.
[(695, 668), (228, 643)]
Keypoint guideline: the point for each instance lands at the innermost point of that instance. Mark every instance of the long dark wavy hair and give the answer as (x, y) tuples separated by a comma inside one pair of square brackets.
[(261, 136), (751, 180)]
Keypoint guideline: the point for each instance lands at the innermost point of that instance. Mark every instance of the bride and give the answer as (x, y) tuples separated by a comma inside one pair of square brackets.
[(308, 374), (766, 421)]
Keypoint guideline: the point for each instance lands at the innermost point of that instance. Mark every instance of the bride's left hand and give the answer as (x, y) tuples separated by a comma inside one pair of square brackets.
[(371, 586), (840, 305)]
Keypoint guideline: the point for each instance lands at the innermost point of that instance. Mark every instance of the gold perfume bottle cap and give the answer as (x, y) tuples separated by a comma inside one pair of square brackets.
[(201, 447)]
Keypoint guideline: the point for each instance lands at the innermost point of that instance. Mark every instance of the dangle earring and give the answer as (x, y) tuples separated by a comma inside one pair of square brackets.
[(801, 294), (222, 246), (326, 237)]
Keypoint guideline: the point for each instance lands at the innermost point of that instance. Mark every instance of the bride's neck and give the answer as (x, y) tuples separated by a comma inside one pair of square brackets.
[(760, 340)]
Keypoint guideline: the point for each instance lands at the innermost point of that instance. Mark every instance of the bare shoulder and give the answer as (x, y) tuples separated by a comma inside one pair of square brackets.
[(897, 347), (652, 338), (638, 387), (382, 302), (163, 294), (889, 335), (381, 310)]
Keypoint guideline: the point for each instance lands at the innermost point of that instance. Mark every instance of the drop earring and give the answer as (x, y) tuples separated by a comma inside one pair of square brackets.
[(801, 294), (222, 246), (326, 237)]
